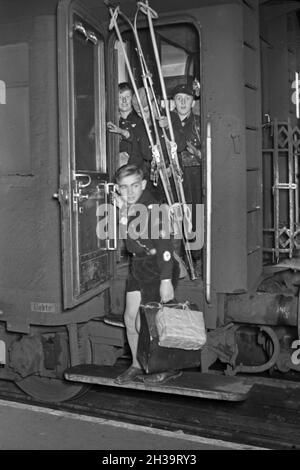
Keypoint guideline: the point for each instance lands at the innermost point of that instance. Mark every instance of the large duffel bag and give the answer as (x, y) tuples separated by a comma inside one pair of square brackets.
[(156, 358)]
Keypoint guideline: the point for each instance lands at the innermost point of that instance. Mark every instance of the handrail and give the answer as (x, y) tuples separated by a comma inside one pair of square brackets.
[(208, 213), (112, 244)]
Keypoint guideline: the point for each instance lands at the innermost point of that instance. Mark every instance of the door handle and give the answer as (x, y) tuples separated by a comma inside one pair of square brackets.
[(112, 244), (80, 183), (79, 197)]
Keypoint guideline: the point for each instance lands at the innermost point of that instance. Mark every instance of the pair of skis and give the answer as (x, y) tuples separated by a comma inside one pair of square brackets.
[(181, 213)]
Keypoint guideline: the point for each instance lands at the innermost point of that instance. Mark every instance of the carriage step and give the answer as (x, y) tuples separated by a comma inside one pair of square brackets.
[(194, 384)]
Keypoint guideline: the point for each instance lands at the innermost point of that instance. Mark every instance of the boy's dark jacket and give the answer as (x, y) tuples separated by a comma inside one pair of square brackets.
[(161, 245)]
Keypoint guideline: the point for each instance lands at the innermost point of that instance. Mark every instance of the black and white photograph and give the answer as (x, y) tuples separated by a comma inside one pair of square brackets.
[(149, 229)]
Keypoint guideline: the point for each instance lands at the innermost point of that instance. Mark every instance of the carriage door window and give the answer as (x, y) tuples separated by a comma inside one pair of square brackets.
[(84, 190)]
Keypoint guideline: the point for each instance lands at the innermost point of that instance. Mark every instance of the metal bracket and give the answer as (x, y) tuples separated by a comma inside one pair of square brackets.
[(77, 195)]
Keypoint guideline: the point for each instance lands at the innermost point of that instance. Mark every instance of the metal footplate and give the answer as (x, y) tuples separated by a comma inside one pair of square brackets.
[(194, 384)]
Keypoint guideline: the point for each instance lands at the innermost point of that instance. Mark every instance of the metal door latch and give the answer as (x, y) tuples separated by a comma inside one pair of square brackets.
[(62, 196)]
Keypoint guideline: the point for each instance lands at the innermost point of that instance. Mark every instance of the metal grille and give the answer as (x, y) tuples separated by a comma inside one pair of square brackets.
[(281, 149)]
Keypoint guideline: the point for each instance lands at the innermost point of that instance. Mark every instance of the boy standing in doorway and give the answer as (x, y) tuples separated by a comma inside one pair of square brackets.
[(131, 131), (154, 270)]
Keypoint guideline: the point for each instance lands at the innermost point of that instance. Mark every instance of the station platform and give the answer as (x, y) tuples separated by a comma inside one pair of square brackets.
[(28, 427)]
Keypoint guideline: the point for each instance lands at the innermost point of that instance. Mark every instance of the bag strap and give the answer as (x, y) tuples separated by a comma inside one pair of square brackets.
[(160, 305)]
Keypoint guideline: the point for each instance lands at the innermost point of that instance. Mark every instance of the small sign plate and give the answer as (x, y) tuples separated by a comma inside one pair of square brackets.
[(43, 307), (2, 352)]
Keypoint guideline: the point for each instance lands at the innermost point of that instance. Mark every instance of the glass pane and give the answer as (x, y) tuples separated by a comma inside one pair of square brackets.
[(93, 267), (173, 60), (14, 114), (84, 99)]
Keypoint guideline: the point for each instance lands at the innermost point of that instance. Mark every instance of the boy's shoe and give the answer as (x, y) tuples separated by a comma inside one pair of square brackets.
[(129, 375), (162, 377)]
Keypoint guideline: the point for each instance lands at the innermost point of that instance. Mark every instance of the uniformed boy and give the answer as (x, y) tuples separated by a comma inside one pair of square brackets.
[(131, 131), (153, 269), (186, 127)]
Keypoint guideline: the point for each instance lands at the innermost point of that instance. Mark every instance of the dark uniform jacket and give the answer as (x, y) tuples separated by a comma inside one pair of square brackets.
[(137, 144), (185, 131), (158, 249), (128, 124)]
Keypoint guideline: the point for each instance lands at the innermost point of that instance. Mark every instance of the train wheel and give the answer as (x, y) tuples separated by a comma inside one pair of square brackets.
[(51, 390)]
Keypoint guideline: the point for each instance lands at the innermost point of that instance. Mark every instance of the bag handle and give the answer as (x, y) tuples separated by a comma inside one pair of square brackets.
[(170, 303)]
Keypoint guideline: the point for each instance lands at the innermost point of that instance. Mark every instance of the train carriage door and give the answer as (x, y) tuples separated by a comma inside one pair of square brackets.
[(84, 188)]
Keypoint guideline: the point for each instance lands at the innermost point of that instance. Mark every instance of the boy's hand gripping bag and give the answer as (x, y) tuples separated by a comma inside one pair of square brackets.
[(165, 332)]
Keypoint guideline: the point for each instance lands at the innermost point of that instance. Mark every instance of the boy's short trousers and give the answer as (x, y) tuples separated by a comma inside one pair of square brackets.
[(144, 276)]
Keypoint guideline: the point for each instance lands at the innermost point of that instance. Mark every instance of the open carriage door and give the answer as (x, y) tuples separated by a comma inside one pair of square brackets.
[(84, 188)]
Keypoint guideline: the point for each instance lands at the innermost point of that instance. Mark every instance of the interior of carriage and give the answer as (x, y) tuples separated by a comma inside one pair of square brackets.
[(179, 49)]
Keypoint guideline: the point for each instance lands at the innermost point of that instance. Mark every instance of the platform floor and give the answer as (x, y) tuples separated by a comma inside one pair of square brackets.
[(27, 427)]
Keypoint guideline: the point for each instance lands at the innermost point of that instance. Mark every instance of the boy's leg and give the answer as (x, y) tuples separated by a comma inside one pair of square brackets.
[(133, 300)]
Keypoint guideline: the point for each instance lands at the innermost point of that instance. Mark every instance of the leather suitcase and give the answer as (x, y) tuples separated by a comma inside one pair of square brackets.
[(155, 358)]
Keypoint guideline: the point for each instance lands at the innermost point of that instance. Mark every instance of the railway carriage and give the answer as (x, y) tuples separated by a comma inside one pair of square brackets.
[(60, 66)]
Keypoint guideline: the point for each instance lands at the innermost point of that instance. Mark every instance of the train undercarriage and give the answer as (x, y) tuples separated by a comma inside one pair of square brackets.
[(259, 335)]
